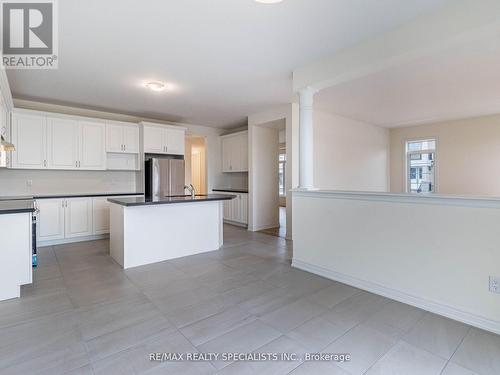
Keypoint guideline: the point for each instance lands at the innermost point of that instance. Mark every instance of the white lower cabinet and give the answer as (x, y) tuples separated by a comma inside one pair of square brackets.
[(236, 210), (100, 213), (78, 217), (72, 218), (50, 224), (60, 219)]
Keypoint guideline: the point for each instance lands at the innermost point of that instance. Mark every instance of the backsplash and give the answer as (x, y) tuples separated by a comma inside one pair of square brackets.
[(17, 182)]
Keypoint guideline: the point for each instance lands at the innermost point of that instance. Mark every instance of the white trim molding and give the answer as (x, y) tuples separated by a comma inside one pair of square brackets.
[(424, 198), (400, 296)]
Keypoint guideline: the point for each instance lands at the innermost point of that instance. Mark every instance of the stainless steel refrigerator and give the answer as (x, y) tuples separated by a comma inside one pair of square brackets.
[(164, 177)]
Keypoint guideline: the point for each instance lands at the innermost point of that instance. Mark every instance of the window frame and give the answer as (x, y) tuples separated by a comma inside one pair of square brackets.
[(406, 161)]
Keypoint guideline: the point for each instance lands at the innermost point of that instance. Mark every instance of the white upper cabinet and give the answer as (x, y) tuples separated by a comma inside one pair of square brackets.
[(131, 139), (62, 143), (154, 139), (175, 141), (92, 148), (235, 152), (164, 139), (50, 141), (114, 138), (122, 138), (29, 136)]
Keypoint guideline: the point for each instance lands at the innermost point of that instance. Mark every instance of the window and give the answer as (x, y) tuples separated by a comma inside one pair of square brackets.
[(420, 166), (281, 171)]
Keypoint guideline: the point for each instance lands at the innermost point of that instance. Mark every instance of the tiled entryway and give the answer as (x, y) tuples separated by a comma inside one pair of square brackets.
[(84, 315)]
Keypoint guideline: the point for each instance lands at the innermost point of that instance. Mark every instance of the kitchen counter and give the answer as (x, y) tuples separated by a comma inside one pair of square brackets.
[(16, 206), (83, 195), (149, 231), (232, 190), (129, 202)]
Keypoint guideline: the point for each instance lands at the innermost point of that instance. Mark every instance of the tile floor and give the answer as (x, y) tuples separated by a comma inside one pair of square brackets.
[(84, 315)]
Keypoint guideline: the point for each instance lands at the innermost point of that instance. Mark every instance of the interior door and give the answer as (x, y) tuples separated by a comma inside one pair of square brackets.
[(29, 137), (62, 143), (92, 145), (78, 217), (50, 225), (114, 138)]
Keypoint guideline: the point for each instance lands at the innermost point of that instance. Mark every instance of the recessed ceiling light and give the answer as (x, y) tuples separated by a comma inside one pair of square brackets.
[(156, 86), (269, 1)]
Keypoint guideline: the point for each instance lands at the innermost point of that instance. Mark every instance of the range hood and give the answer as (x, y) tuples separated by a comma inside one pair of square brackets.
[(6, 146)]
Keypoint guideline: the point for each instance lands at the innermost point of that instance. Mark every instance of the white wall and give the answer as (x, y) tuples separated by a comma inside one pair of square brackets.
[(369, 241), (116, 180), (349, 154), (468, 152)]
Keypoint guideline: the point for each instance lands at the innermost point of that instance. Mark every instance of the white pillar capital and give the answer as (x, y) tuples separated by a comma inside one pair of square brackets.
[(306, 97), (306, 138)]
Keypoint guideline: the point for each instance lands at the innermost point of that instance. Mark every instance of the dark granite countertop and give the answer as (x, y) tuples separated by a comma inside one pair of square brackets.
[(140, 201), (231, 190), (16, 206), (83, 195)]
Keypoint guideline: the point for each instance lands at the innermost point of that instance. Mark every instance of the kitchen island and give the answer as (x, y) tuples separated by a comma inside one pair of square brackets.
[(145, 231), (16, 246)]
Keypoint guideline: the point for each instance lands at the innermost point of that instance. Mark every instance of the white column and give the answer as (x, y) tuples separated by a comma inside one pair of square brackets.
[(306, 141)]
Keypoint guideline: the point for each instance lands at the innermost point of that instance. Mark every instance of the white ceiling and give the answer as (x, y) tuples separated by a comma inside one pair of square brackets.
[(457, 83), (228, 58)]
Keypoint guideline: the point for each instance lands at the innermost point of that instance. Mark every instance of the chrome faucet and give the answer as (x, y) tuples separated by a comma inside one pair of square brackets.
[(191, 189)]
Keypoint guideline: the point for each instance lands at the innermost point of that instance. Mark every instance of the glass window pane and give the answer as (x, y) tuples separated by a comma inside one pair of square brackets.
[(427, 144)]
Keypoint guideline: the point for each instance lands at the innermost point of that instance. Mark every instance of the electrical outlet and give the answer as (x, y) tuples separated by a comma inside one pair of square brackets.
[(29, 183), (495, 284)]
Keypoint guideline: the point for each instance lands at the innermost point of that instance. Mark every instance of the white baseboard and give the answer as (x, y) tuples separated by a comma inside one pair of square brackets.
[(401, 296), (264, 227), (72, 240), (235, 223)]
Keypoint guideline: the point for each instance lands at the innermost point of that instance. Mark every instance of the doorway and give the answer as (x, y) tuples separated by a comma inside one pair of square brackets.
[(270, 170), (195, 159)]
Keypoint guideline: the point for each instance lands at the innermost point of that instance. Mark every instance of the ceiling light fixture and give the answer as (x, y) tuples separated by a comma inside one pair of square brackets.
[(156, 86), (269, 1)]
